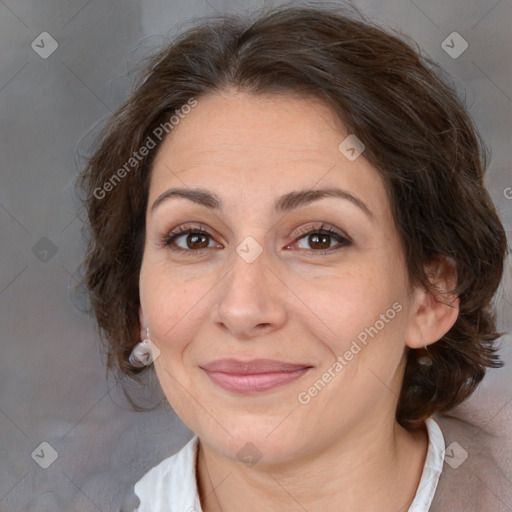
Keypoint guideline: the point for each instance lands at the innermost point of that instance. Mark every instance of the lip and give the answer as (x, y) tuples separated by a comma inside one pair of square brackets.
[(253, 376)]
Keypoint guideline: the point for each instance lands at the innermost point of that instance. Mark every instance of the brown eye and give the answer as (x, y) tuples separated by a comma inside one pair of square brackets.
[(321, 240), (197, 241), (188, 239)]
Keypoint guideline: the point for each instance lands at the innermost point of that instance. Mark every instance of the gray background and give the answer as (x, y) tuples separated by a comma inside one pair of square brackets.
[(53, 384)]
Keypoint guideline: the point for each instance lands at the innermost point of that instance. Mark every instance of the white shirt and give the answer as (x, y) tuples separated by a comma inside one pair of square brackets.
[(172, 486)]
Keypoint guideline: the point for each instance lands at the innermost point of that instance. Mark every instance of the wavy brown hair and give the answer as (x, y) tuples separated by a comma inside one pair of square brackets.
[(417, 134)]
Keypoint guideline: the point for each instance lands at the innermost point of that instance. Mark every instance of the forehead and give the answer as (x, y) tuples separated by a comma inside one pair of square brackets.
[(261, 142), (234, 121)]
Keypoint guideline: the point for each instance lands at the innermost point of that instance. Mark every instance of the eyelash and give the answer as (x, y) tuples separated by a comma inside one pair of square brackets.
[(342, 240)]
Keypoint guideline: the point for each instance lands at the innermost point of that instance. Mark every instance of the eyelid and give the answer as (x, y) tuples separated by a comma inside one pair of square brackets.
[(185, 229), (342, 239), (319, 226)]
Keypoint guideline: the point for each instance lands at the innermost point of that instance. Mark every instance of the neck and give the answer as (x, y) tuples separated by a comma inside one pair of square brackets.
[(388, 463)]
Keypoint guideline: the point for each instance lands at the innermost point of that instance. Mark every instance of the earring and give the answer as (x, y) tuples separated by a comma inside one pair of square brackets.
[(425, 359), (141, 354)]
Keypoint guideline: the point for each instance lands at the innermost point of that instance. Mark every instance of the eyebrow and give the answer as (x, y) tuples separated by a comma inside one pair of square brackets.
[(285, 203)]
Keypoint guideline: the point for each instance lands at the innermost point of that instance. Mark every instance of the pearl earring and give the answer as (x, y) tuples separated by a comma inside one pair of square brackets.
[(143, 354), (425, 359)]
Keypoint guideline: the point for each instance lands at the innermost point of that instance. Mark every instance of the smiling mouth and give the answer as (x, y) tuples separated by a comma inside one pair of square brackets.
[(254, 376)]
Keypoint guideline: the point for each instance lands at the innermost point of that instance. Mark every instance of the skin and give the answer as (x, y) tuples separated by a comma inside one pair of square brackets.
[(295, 303)]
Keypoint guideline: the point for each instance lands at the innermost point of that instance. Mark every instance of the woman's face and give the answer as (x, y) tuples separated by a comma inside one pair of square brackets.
[(329, 312)]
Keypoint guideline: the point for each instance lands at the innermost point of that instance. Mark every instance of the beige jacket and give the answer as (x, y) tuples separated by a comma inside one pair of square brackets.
[(483, 481)]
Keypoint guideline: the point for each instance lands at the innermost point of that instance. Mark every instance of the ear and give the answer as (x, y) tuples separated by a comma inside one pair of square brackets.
[(433, 316)]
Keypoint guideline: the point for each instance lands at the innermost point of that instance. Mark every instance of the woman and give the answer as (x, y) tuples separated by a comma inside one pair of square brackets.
[(289, 225)]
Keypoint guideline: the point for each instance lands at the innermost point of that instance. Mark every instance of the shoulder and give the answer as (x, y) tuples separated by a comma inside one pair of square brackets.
[(170, 485), (476, 471)]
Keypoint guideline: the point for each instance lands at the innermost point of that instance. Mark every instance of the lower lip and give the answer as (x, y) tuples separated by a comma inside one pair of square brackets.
[(256, 382)]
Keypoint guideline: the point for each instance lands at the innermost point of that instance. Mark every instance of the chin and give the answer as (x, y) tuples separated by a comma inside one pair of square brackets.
[(256, 442)]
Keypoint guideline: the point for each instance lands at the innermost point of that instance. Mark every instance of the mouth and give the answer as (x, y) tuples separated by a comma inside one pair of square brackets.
[(254, 376)]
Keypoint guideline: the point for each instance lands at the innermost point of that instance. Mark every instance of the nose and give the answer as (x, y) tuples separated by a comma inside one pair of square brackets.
[(251, 299)]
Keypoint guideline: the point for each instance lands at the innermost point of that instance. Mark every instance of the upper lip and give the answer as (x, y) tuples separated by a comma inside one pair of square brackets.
[(251, 367)]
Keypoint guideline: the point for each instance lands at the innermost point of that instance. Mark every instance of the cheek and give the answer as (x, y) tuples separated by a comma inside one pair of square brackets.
[(171, 308), (361, 328), (174, 313), (345, 303)]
